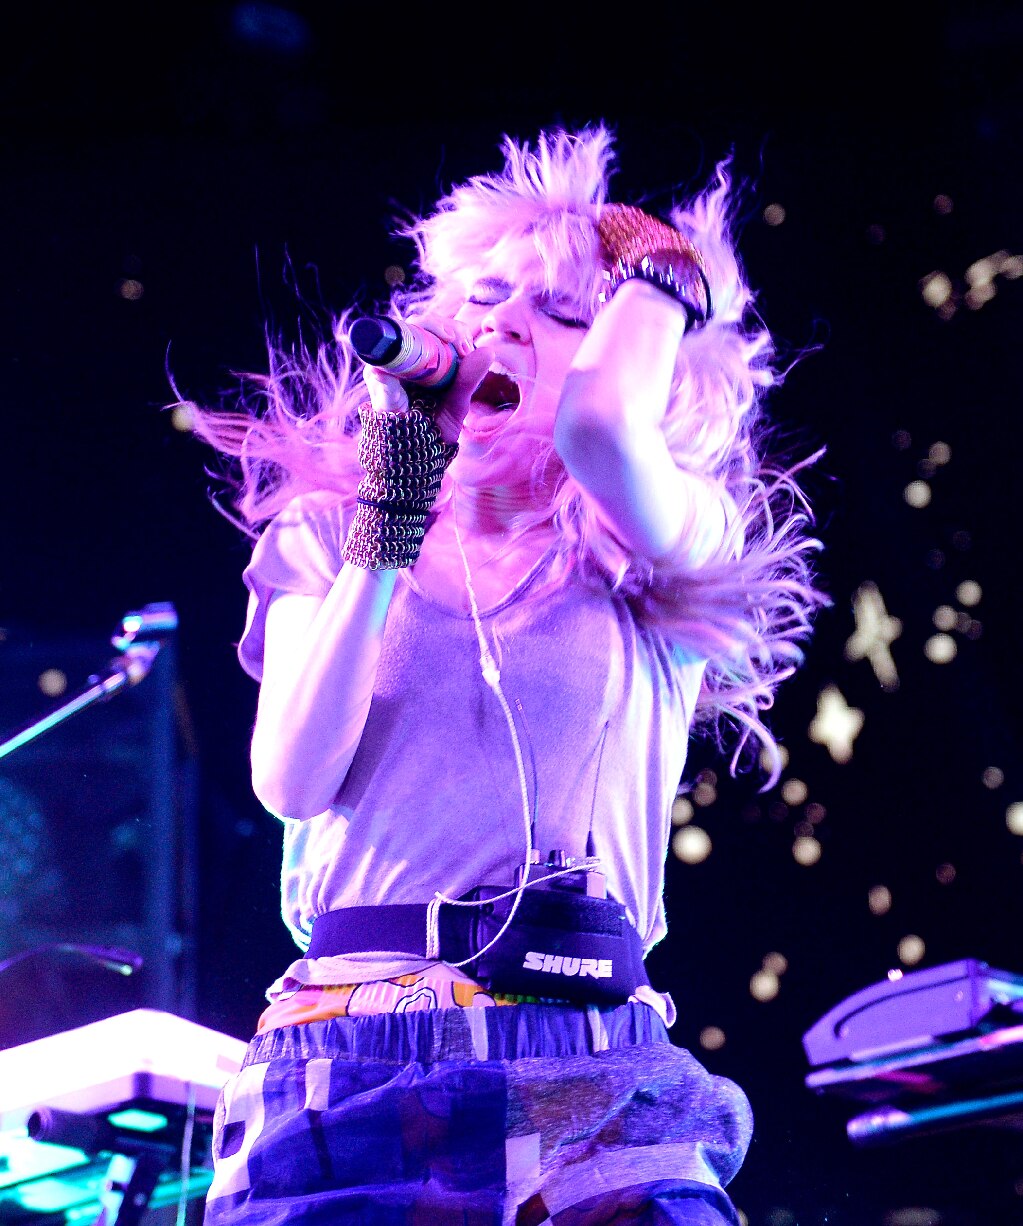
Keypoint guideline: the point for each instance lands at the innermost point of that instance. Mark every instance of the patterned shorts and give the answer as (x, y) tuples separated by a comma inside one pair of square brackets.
[(515, 1116)]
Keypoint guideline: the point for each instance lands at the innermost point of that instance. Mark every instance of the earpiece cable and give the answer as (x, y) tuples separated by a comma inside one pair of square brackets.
[(492, 676)]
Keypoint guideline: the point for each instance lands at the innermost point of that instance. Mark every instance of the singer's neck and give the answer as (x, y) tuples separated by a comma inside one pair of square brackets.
[(481, 529), (491, 511)]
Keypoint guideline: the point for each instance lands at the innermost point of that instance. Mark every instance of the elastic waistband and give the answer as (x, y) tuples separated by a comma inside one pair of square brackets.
[(431, 1035)]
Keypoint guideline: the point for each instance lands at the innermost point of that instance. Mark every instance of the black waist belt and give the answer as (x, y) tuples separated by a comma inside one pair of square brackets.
[(400, 928), (560, 944)]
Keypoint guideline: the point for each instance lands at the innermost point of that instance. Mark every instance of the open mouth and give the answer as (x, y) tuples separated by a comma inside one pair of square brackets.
[(497, 390)]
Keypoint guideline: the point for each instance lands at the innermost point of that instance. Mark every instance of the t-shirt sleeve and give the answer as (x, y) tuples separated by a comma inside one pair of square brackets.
[(298, 551)]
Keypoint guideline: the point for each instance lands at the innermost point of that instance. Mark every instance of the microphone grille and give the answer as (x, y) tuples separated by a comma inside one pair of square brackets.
[(374, 340)]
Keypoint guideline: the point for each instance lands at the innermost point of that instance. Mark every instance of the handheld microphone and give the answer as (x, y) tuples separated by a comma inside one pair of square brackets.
[(404, 350)]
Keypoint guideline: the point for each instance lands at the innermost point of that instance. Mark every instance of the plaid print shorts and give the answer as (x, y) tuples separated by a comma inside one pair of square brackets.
[(516, 1116)]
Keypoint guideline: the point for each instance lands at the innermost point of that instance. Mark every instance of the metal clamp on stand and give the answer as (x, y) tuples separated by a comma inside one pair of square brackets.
[(140, 638)]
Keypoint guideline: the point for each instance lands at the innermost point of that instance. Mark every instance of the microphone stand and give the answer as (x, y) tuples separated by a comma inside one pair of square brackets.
[(141, 636), (121, 961)]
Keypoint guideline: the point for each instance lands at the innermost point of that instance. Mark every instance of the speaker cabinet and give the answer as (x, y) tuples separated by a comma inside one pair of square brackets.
[(98, 819)]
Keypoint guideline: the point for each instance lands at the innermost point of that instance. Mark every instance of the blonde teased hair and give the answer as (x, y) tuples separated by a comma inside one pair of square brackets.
[(746, 611)]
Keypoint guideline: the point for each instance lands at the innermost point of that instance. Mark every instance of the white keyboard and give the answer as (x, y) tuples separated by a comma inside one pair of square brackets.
[(142, 1054)]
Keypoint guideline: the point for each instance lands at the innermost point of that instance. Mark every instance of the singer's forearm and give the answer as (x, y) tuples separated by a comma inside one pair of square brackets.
[(319, 668), (609, 430)]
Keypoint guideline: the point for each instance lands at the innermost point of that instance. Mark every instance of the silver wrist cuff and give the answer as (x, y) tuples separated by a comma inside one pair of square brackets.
[(674, 273)]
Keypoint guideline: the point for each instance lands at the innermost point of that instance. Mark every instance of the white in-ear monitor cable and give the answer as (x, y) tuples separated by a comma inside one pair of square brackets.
[(492, 676)]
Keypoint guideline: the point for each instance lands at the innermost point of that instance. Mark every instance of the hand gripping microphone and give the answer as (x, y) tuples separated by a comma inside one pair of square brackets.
[(404, 350)]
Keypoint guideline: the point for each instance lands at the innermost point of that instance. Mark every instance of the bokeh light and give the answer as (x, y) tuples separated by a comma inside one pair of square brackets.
[(52, 682), (794, 791), (940, 649), (917, 494), (681, 810), (764, 985), (712, 1038), (691, 844), (879, 900), (911, 950), (806, 850)]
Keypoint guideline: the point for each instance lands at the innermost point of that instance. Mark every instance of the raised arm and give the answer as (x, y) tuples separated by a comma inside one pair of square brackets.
[(609, 429)]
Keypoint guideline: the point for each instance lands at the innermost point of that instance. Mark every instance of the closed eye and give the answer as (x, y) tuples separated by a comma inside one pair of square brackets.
[(489, 291), (560, 312), (568, 320), (492, 291)]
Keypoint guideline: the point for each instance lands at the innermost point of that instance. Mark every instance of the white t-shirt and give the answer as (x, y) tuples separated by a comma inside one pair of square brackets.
[(433, 798)]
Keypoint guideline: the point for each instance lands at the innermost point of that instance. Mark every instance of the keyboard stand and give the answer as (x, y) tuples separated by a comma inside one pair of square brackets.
[(137, 1160), (110, 1119), (127, 1188)]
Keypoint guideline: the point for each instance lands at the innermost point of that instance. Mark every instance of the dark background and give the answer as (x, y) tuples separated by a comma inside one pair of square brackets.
[(214, 157)]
